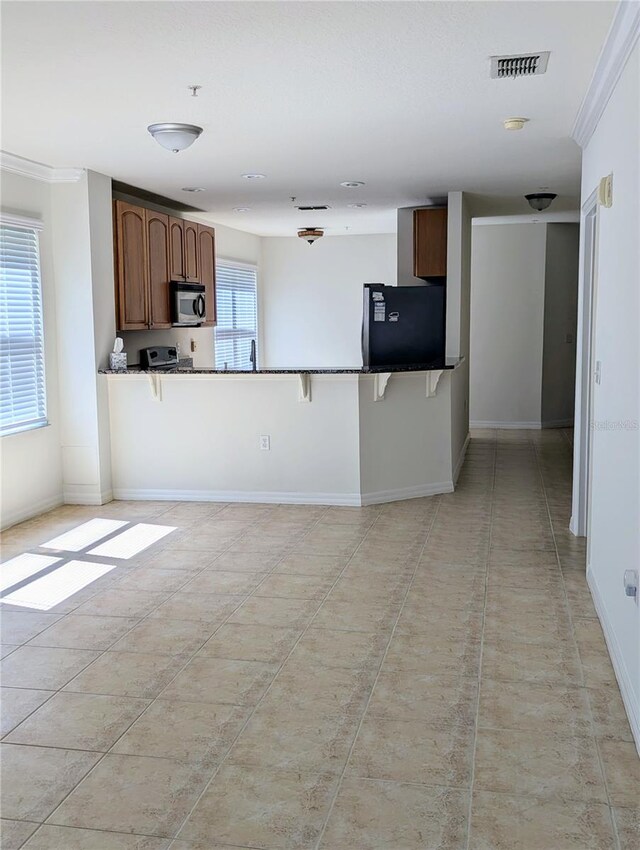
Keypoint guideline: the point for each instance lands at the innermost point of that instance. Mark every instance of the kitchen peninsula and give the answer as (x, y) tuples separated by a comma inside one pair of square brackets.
[(351, 436)]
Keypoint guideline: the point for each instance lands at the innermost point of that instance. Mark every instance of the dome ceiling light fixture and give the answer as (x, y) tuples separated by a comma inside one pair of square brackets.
[(352, 184), (174, 137), (311, 234), (193, 189), (515, 123), (356, 206), (254, 176), (540, 200)]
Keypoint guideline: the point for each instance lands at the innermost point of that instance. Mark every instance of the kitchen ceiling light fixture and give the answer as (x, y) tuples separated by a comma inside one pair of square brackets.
[(311, 234), (540, 200), (356, 206), (251, 176), (242, 209), (515, 123), (192, 189), (352, 184), (174, 137)]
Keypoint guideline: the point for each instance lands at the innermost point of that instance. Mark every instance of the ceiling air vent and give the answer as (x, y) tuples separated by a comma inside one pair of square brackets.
[(312, 209), (523, 65)]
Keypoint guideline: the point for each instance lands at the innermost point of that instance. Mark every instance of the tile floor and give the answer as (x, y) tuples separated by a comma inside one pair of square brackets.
[(424, 674)]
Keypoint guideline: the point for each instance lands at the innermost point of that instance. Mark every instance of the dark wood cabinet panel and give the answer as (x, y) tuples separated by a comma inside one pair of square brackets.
[(176, 248), (157, 225), (430, 242), (132, 274), (191, 264), (207, 260)]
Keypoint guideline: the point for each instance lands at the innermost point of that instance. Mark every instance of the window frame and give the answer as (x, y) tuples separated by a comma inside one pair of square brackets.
[(239, 264), (35, 225)]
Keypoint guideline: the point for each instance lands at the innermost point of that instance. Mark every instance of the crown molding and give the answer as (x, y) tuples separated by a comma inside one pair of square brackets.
[(37, 171), (620, 41)]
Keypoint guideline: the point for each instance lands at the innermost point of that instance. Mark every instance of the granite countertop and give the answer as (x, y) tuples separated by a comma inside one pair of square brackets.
[(448, 363)]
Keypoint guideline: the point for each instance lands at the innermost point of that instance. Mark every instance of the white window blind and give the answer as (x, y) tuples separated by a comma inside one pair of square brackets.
[(22, 378), (237, 315)]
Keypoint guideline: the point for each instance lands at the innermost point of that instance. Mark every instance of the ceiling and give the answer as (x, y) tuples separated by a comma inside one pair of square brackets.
[(395, 94)]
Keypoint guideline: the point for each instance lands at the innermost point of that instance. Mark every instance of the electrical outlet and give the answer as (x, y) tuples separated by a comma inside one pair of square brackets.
[(265, 442), (194, 345)]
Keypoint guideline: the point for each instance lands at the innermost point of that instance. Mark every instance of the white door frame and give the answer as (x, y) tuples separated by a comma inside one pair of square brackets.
[(587, 289)]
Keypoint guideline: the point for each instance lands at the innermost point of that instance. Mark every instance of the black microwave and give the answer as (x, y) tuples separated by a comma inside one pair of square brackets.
[(188, 304)]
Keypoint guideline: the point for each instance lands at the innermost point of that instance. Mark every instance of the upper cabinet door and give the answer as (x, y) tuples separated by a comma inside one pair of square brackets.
[(157, 225), (176, 248), (207, 259), (191, 264), (430, 242), (131, 258)]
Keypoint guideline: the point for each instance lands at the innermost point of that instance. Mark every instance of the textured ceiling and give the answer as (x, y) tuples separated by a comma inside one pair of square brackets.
[(396, 94)]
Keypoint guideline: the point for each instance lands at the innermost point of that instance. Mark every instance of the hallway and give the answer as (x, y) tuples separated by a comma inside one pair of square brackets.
[(421, 674)]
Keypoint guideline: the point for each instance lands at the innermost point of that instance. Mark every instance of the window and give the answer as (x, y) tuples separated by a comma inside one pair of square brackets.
[(237, 314), (22, 381)]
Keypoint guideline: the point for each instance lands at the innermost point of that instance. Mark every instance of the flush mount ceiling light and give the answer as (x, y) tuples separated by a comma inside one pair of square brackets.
[(311, 234), (254, 176), (352, 184), (242, 209), (540, 200), (515, 123), (192, 189), (356, 206), (174, 137)]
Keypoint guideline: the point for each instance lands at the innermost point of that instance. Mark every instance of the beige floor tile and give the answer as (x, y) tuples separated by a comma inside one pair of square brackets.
[(36, 779), (608, 714), (540, 764), (597, 669), (285, 613), (245, 806), (179, 559), (372, 589), (374, 815), (321, 690), (133, 794), (7, 649), (250, 643), (157, 580), (223, 581), (357, 617), (311, 565), (527, 627), (352, 650), (69, 838), (413, 751), (541, 707), (440, 625), (514, 661), (294, 587), (18, 703), (201, 733), (628, 827), (17, 628), (78, 722), (43, 667), (510, 557), (622, 772), (426, 654), (240, 562), (434, 698), (212, 608), (84, 631), (500, 822), (164, 636), (13, 833), (296, 740), (589, 636), (220, 680), (127, 674), (123, 603)]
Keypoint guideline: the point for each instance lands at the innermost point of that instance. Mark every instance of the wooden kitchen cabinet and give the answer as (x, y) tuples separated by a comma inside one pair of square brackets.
[(176, 248), (207, 266), (131, 267), (191, 253), (159, 271), (430, 242)]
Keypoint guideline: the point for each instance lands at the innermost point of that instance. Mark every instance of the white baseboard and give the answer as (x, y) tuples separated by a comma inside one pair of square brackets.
[(617, 659), (460, 461), (264, 497), (379, 497), (34, 509), (527, 426), (85, 494)]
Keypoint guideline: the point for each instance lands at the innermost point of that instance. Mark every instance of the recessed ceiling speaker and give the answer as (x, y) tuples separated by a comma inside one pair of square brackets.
[(540, 200)]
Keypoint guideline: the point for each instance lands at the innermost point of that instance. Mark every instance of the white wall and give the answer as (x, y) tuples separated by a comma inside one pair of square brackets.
[(560, 324), (614, 535), (230, 245), (31, 469), (507, 316), (311, 297)]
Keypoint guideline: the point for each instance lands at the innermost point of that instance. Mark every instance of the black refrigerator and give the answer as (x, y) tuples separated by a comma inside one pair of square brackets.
[(403, 325)]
